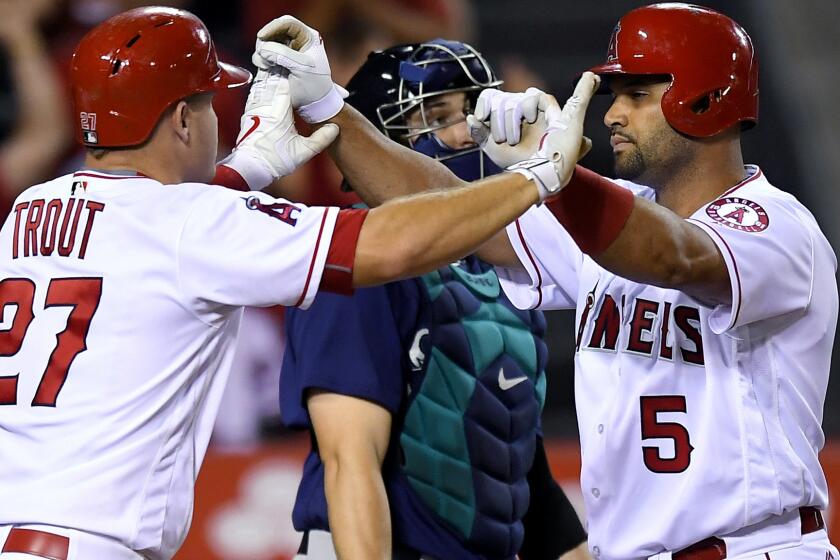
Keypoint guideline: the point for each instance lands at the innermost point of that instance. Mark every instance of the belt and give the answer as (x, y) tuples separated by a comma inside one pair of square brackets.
[(37, 543), (400, 551), (714, 548)]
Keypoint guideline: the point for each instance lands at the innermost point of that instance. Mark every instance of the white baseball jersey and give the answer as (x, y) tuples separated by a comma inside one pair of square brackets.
[(121, 304), (695, 421)]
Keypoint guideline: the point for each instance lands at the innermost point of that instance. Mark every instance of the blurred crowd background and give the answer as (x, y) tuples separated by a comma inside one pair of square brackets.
[(544, 43)]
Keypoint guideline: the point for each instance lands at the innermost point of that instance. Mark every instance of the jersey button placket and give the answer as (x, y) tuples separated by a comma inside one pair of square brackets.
[(596, 552), (596, 492)]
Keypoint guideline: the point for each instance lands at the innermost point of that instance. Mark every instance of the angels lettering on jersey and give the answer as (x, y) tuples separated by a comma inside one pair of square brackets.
[(658, 329)]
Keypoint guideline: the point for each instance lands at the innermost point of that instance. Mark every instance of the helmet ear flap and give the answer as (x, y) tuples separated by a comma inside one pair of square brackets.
[(700, 115), (703, 103)]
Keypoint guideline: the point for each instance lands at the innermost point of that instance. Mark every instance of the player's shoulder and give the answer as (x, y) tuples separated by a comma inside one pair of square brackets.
[(199, 191), (755, 205), (637, 189), (47, 188), (205, 195), (757, 187)]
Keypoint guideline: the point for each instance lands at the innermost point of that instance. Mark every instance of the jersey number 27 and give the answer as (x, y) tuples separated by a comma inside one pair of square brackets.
[(82, 295)]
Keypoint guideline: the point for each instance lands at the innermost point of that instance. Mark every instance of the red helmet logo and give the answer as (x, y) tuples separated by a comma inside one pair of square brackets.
[(612, 49)]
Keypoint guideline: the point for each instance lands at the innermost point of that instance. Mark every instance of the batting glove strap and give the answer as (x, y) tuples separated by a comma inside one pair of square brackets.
[(542, 172), (251, 166), (325, 108)]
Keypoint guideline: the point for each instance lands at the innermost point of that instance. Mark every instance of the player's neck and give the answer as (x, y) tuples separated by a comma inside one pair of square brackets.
[(692, 186), (145, 160)]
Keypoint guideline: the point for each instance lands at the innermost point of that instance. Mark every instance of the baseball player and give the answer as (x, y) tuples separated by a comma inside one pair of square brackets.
[(706, 306), (706, 298), (122, 284), (423, 396)]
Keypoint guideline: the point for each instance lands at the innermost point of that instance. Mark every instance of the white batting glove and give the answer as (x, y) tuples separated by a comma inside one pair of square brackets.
[(551, 167), (508, 126), (288, 43), (269, 146), (505, 111)]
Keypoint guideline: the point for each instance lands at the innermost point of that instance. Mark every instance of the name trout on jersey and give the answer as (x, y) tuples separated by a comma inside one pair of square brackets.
[(43, 228), (645, 336)]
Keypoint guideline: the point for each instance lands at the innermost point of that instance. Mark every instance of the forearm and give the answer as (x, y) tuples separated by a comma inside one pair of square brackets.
[(411, 26), (552, 526), (379, 169), (35, 80), (580, 552), (359, 516), (42, 128), (499, 251), (414, 235), (353, 435)]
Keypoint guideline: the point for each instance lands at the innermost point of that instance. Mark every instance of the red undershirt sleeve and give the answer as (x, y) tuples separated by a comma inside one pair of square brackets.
[(228, 177), (592, 209), (338, 271)]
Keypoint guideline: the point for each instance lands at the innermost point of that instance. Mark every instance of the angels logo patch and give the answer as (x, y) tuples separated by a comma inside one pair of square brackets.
[(279, 210), (739, 213)]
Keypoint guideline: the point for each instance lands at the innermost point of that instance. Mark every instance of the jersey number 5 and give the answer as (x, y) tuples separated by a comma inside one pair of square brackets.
[(652, 428), (82, 295)]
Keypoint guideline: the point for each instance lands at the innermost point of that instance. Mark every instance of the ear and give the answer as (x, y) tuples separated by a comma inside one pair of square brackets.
[(180, 121)]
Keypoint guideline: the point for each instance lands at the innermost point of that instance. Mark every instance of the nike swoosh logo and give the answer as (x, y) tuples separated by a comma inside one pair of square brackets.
[(506, 383), (416, 355), (254, 127)]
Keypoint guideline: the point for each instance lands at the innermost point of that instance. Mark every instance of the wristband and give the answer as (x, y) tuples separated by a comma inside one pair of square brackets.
[(256, 173), (325, 108), (592, 209)]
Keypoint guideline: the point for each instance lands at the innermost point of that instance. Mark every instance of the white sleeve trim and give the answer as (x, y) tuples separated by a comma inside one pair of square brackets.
[(524, 290), (723, 317), (319, 258)]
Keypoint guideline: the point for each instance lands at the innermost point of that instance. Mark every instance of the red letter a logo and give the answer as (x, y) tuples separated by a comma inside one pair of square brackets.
[(737, 215)]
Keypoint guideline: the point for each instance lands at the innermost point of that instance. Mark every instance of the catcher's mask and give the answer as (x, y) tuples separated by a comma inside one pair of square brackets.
[(394, 86)]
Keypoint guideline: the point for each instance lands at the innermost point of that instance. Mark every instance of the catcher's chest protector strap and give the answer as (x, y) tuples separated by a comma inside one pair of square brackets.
[(468, 435)]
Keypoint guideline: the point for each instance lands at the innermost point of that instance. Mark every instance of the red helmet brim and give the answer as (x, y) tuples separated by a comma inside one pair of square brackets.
[(231, 76)]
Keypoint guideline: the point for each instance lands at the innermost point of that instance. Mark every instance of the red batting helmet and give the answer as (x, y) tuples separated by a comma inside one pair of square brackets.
[(710, 58), (130, 68)]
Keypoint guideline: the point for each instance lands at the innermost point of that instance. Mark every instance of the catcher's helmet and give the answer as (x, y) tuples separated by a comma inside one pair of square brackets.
[(710, 58), (394, 83), (129, 69)]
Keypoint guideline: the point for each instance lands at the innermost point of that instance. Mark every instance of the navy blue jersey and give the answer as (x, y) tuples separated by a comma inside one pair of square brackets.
[(369, 346), (357, 345)]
